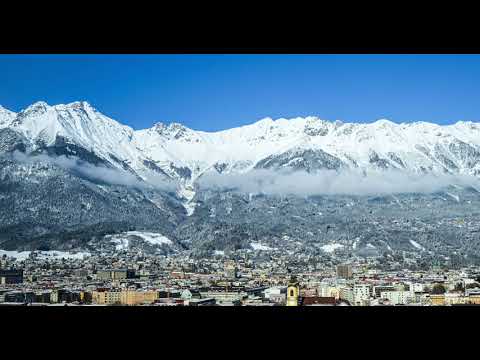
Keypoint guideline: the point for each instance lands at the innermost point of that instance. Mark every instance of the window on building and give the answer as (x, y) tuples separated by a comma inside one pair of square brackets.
[(291, 292)]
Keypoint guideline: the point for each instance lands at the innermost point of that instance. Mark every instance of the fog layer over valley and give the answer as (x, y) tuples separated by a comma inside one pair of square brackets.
[(331, 182)]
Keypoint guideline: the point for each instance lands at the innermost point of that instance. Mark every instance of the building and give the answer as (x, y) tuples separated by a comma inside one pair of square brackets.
[(361, 294), (293, 291), (379, 289), (344, 271), (63, 296), (278, 298), (133, 297), (2, 294), (106, 297), (115, 274), (318, 300), (186, 294), (397, 297), (346, 294), (275, 294), (230, 270), (455, 299), (42, 297), (85, 297), (225, 297), (4, 262), (326, 290), (201, 302), (474, 299), (437, 299), (416, 287), (20, 297), (11, 277), (54, 296)]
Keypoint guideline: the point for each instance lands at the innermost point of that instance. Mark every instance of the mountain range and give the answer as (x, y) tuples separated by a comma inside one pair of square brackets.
[(70, 173)]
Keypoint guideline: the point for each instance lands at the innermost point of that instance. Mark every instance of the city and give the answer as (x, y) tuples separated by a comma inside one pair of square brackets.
[(134, 278)]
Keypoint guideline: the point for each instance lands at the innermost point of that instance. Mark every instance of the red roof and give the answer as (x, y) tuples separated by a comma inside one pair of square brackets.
[(311, 300)]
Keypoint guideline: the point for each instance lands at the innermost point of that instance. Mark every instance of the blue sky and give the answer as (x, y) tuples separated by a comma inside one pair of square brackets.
[(214, 92)]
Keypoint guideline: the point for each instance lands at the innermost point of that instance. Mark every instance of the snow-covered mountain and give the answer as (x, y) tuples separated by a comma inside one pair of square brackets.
[(6, 117), (182, 153), (44, 203)]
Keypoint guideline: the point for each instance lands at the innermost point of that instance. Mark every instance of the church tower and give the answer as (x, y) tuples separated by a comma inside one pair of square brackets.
[(293, 291)]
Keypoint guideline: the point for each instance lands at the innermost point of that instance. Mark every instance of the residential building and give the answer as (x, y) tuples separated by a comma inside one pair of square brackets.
[(361, 294), (106, 297), (397, 297), (11, 277)]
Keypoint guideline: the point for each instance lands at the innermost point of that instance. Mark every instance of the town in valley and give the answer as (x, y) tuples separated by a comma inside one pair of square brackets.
[(239, 278)]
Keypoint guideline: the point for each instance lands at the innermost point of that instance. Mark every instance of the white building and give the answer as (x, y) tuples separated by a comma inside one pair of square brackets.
[(415, 287), (346, 293), (361, 294), (275, 291), (397, 297), (327, 290)]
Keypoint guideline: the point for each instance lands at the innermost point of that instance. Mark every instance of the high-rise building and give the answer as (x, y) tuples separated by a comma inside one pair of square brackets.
[(344, 271)]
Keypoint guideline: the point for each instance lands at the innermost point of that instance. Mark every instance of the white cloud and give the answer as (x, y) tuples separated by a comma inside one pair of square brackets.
[(96, 172), (330, 182)]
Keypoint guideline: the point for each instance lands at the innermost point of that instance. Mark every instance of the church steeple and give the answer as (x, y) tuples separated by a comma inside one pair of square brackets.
[(293, 290)]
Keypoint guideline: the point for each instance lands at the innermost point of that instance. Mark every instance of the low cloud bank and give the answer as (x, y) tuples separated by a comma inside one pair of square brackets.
[(96, 172), (328, 182)]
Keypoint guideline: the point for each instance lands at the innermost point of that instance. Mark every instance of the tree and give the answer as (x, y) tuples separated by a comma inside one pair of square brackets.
[(473, 285), (438, 289), (459, 287)]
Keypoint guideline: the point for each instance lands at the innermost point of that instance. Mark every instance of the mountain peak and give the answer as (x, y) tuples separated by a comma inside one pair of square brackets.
[(76, 105), (80, 104), (265, 121), (37, 107), (39, 104), (384, 122), (158, 125), (467, 123), (175, 125), (173, 130)]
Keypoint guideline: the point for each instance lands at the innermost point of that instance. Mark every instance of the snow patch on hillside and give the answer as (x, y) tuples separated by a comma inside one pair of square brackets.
[(330, 248), (19, 255), (150, 237), (417, 245), (456, 197), (187, 193), (260, 246), (122, 240), (22, 255)]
